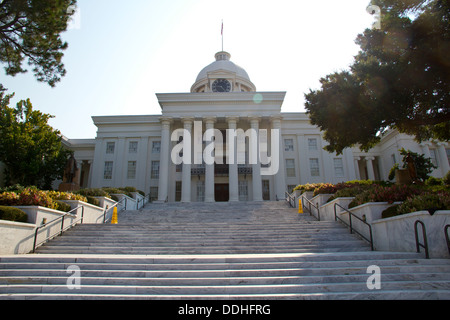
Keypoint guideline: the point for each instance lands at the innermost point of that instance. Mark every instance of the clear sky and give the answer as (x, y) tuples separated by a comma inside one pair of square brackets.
[(123, 52)]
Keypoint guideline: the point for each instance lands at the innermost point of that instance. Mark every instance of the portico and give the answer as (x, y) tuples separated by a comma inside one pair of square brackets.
[(233, 166)]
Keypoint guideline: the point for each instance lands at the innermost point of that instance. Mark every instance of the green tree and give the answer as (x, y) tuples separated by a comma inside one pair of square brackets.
[(423, 166), (399, 79), (29, 147), (31, 29)]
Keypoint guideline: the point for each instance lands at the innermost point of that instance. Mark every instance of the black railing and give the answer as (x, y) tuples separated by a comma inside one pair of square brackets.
[(350, 224), (122, 202), (447, 238), (425, 241), (62, 229), (311, 205), (140, 203), (290, 199)]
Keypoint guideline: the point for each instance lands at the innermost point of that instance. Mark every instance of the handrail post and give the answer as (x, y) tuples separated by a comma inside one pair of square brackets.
[(424, 233), (62, 225), (447, 237), (351, 226), (35, 239)]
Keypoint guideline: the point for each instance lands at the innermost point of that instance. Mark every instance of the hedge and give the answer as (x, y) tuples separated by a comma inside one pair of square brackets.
[(13, 214)]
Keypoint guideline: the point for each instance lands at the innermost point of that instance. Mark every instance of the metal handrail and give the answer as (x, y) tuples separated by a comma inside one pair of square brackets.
[(70, 213), (309, 209), (106, 220), (447, 237), (351, 214), (424, 233), (290, 199), (143, 202)]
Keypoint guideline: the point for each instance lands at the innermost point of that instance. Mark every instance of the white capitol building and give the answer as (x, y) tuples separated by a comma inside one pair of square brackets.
[(136, 150)]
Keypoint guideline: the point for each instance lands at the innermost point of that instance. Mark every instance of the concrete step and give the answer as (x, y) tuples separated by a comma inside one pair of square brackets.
[(220, 251)]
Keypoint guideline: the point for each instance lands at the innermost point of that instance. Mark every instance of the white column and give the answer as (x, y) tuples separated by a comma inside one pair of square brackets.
[(443, 157), (256, 168), (163, 185), (186, 175), (426, 149), (209, 168), (358, 175), (79, 167), (233, 167), (370, 171), (280, 178)]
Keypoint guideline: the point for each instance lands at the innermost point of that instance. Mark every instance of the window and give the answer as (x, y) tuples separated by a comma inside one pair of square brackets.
[(312, 144), (290, 167), (107, 173), (110, 147), (288, 145), (133, 147), (243, 191), (178, 187), (314, 167), (155, 170), (156, 147), (131, 172), (201, 191), (448, 155), (434, 158), (338, 167), (153, 194)]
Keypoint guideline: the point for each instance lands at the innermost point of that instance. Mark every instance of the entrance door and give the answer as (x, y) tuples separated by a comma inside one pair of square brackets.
[(222, 192)]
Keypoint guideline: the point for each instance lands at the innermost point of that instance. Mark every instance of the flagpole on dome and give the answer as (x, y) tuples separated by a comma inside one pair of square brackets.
[(222, 34)]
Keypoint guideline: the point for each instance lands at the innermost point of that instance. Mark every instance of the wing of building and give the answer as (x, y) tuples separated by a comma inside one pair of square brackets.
[(138, 151)]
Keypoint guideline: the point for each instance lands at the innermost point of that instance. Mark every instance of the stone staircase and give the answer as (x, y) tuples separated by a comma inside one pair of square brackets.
[(218, 251)]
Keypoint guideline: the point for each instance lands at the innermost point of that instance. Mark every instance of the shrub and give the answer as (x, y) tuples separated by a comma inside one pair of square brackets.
[(307, 187), (325, 188), (447, 179), (31, 196), (349, 192), (17, 188), (9, 199), (390, 212), (93, 201), (93, 192), (432, 181), (12, 214), (384, 194), (61, 206), (56, 195), (118, 191), (427, 201)]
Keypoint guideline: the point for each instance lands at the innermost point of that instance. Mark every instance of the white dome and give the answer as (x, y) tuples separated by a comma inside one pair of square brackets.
[(223, 63), (223, 68)]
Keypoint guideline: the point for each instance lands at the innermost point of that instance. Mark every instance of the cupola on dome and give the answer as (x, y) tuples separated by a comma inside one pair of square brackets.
[(224, 76)]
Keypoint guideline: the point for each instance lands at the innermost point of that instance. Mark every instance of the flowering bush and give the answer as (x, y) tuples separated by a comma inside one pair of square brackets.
[(384, 194), (9, 199), (427, 201), (325, 189), (308, 187), (56, 195), (32, 196)]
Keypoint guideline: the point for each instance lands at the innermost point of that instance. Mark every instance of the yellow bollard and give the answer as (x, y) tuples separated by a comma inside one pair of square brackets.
[(114, 219), (300, 206)]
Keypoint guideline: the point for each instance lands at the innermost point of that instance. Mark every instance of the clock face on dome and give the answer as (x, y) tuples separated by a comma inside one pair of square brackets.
[(221, 85)]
